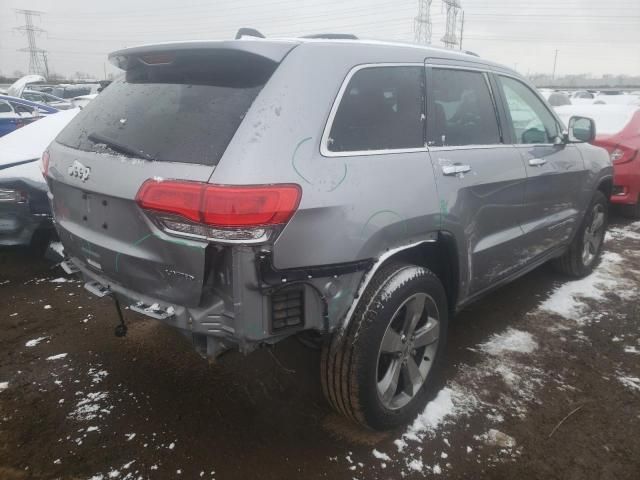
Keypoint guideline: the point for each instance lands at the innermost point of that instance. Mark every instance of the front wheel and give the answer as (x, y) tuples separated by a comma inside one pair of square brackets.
[(378, 371), (583, 253)]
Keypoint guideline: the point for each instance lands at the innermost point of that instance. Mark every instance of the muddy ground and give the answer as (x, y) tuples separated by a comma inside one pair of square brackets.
[(147, 406)]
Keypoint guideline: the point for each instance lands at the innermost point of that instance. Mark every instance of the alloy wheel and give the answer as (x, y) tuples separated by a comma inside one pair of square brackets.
[(407, 350)]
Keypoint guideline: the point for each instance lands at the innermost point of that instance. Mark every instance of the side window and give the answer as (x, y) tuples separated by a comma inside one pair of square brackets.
[(532, 122), (381, 109), (22, 108), (33, 97), (464, 113), (5, 107)]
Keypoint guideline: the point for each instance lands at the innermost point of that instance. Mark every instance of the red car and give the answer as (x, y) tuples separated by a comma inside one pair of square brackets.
[(617, 131)]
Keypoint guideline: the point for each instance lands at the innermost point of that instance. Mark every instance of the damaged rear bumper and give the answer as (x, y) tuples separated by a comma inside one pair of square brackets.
[(247, 314)]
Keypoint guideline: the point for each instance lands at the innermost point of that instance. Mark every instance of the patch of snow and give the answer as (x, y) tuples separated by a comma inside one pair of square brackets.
[(632, 383), (4, 386), (57, 247), (381, 455), (416, 465), (97, 375), (35, 341), (631, 349), (400, 444), (91, 407), (130, 436), (59, 280), (59, 356), (47, 307), (568, 299), (621, 234), (511, 340), (433, 415), (436, 469)]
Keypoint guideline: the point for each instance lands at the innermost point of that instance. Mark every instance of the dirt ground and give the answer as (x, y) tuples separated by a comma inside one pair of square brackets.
[(552, 365)]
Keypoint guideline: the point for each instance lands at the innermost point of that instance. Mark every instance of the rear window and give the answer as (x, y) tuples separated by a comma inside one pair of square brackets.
[(185, 112)]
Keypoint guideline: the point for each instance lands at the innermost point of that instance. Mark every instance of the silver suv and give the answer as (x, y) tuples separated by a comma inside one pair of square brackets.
[(245, 191)]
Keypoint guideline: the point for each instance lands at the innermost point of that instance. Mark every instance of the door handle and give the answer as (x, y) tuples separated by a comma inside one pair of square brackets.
[(537, 162), (455, 169)]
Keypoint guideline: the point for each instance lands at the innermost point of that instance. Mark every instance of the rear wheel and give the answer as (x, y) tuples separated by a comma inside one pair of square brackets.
[(583, 253), (378, 371)]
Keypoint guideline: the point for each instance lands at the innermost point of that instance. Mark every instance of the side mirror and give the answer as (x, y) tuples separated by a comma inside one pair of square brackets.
[(581, 129)]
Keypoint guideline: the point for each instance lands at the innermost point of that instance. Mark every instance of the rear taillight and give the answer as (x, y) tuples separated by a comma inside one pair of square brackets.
[(622, 154), (219, 212)]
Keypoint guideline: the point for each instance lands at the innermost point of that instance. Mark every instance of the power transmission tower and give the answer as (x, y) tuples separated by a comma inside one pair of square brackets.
[(422, 22), (31, 31), (450, 39)]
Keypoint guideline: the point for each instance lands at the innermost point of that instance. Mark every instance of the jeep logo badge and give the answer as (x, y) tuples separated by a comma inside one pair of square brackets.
[(78, 170)]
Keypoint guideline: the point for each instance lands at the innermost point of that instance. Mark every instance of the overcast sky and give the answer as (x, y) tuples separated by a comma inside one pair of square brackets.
[(591, 36)]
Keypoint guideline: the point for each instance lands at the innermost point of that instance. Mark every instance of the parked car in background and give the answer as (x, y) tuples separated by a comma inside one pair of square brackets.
[(25, 213), (17, 112), (555, 98), (69, 91), (242, 210), (47, 99), (617, 131), (19, 89), (582, 97), (616, 98)]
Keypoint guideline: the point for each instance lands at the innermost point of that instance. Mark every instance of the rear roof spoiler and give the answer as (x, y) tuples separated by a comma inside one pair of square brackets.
[(274, 50)]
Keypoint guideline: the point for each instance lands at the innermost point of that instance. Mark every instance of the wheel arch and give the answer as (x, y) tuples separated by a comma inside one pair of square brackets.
[(605, 185), (438, 252)]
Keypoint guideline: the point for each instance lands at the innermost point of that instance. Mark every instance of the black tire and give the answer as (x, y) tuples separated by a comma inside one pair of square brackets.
[(572, 262), (349, 361)]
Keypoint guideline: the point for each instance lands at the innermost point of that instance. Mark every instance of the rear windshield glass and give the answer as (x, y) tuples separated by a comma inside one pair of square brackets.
[(186, 112)]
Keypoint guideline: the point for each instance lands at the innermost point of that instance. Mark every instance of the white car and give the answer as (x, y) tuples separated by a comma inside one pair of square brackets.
[(25, 213)]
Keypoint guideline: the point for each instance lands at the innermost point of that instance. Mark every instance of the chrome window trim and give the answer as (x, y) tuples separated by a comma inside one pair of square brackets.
[(469, 147), (324, 150)]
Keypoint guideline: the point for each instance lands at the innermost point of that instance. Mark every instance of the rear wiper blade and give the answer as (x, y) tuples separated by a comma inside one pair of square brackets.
[(120, 147)]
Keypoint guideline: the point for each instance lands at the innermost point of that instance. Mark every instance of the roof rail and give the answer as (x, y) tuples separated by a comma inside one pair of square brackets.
[(332, 36), (248, 32)]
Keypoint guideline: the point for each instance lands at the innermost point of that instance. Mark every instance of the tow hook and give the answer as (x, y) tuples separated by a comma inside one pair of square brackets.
[(100, 290), (121, 328)]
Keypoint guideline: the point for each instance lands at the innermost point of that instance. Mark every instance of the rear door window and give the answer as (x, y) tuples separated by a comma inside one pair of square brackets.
[(382, 108), (463, 109), (531, 120), (186, 112)]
